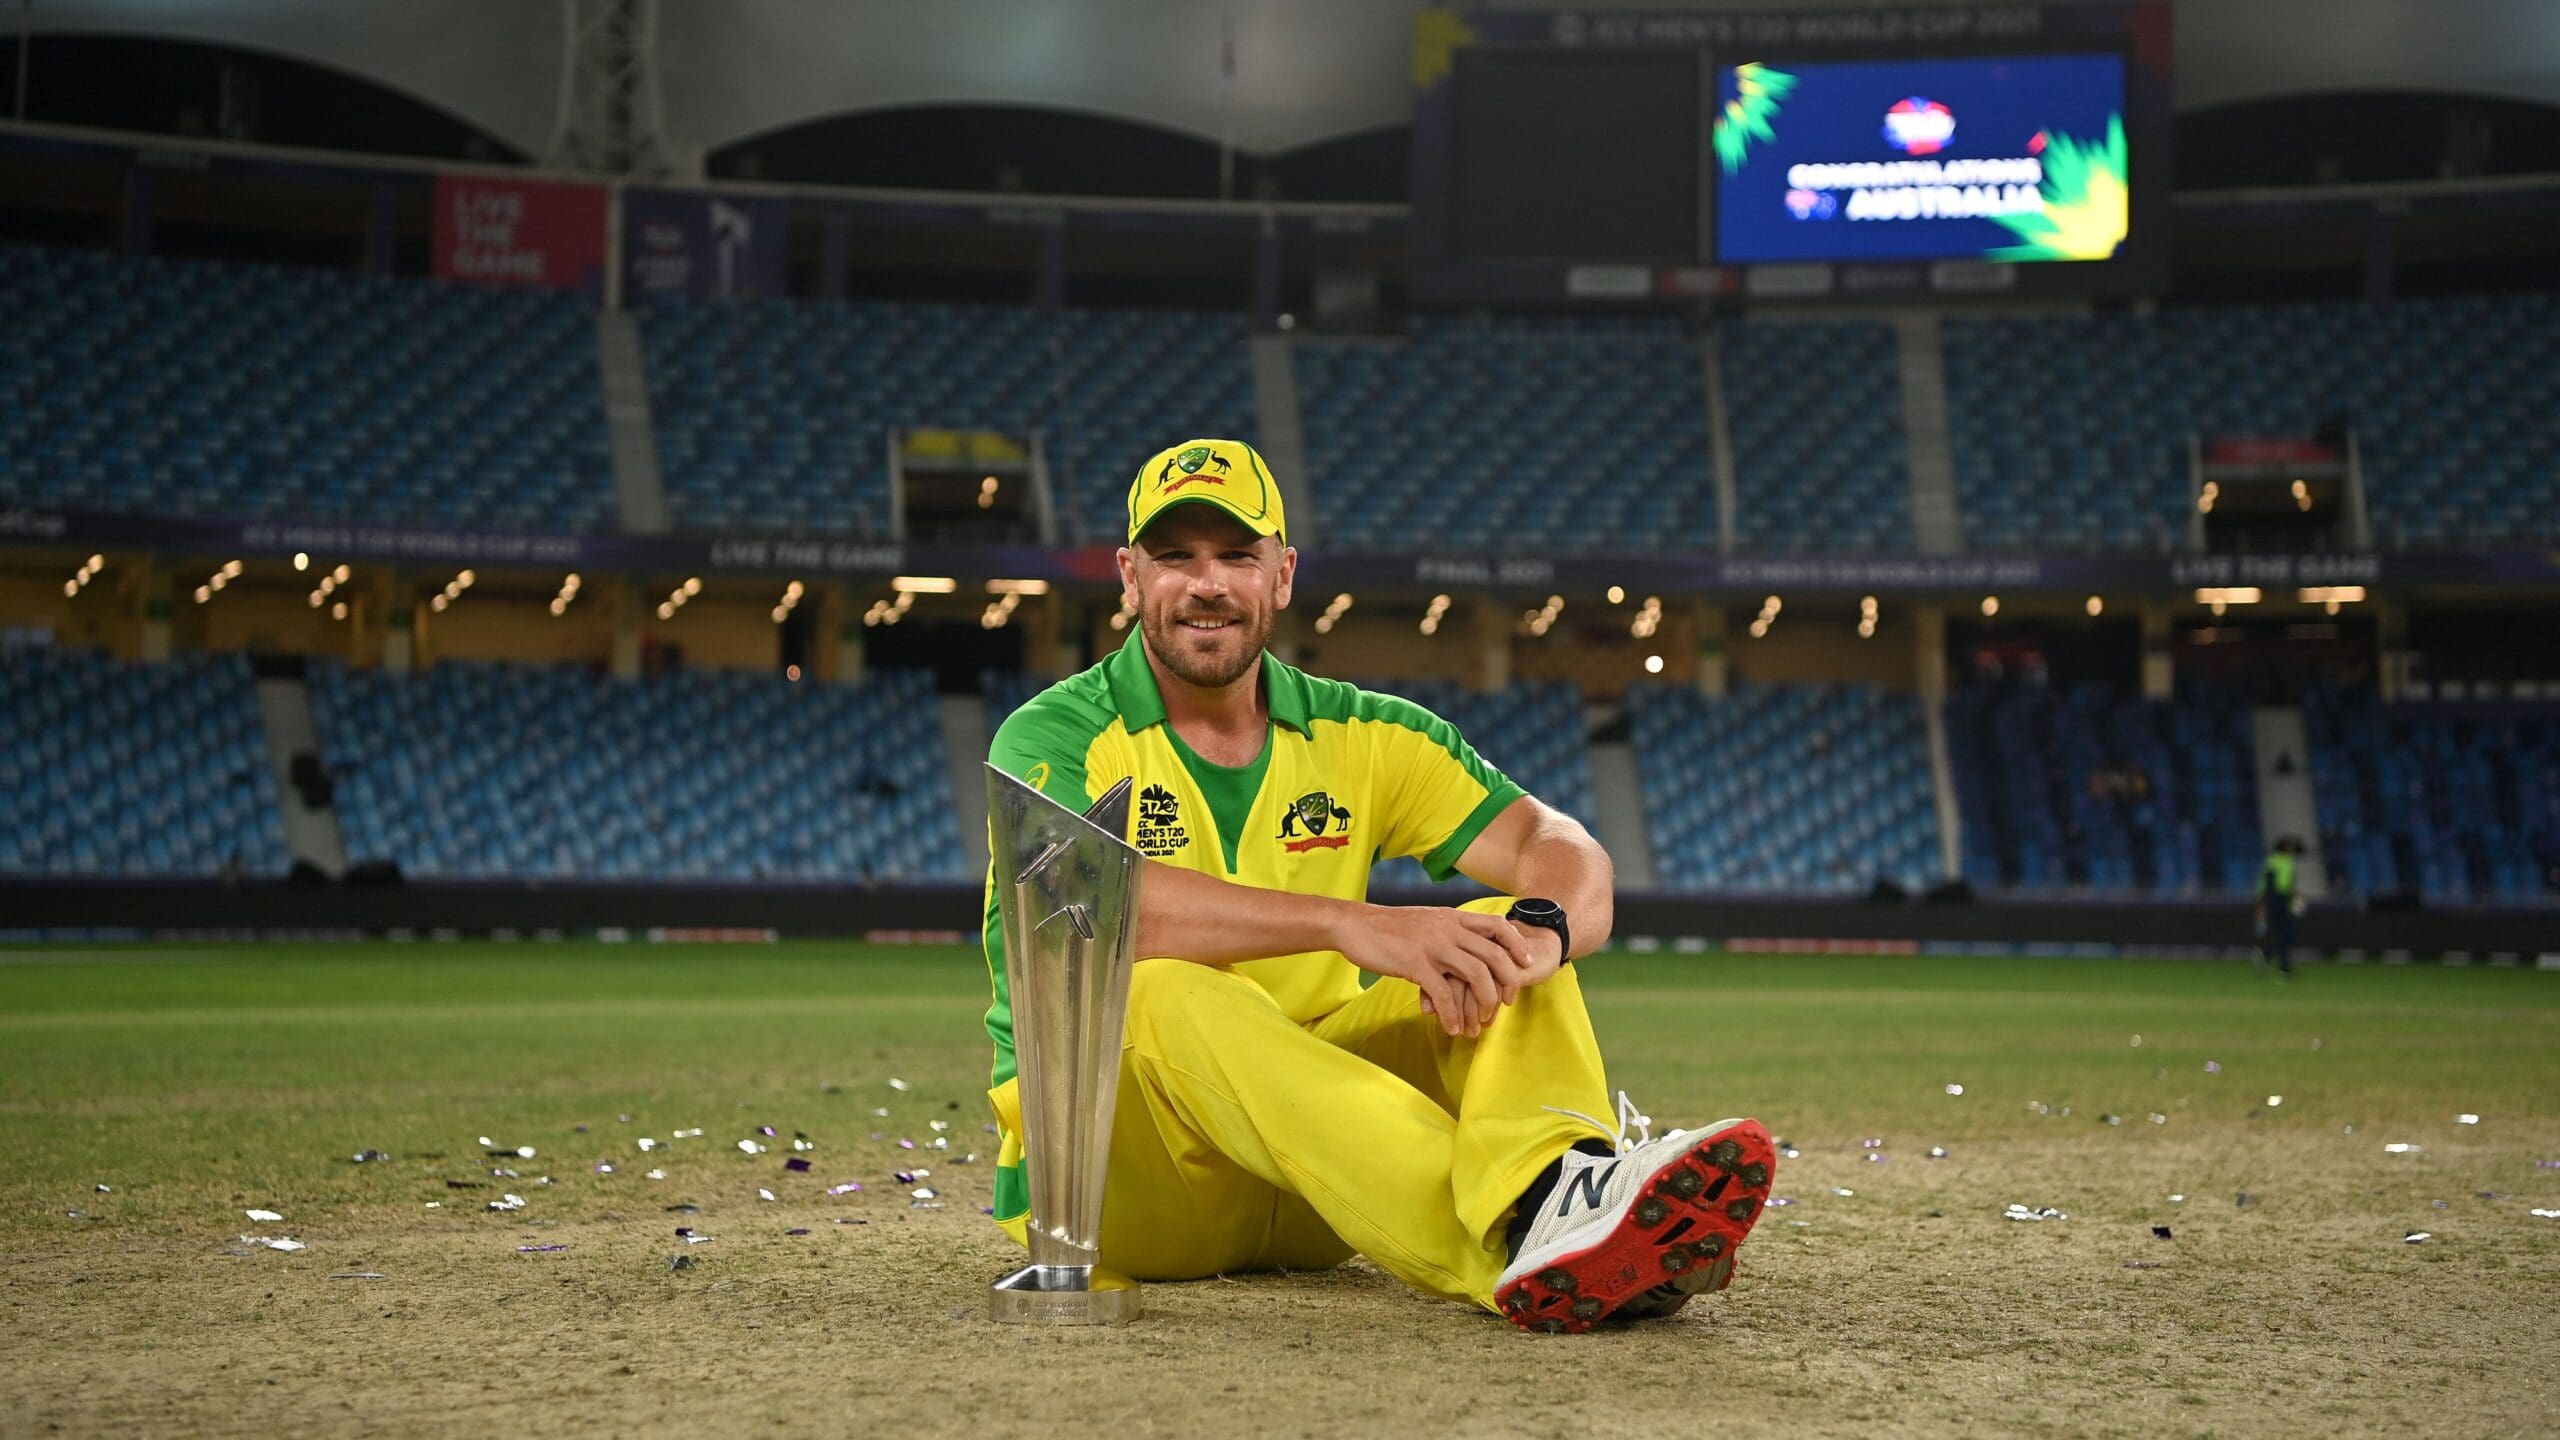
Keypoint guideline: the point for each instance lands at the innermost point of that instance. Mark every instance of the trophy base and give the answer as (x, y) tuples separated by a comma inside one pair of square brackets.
[(1063, 1295)]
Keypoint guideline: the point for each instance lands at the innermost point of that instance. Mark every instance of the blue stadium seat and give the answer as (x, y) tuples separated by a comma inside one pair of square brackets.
[(472, 771), (194, 388), (1815, 411), (2100, 792), (115, 769), (776, 415), (1786, 788), (1557, 435), (2073, 433), (2456, 803)]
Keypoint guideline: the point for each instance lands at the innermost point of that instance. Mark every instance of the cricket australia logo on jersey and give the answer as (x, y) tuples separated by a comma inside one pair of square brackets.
[(1327, 825), (1189, 463), (1160, 831)]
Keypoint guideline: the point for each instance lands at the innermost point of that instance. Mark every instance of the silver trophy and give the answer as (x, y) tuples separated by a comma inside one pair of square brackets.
[(1067, 889)]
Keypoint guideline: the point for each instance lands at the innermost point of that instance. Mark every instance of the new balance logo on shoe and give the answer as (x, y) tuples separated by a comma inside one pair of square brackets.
[(1588, 1187)]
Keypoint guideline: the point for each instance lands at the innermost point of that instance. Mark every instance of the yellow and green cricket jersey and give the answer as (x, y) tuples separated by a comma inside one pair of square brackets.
[(1347, 778)]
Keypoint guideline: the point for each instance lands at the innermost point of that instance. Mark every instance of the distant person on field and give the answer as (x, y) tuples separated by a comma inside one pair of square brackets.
[(2278, 904)]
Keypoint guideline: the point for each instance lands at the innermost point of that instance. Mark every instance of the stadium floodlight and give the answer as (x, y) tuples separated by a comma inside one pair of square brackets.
[(2329, 594), (923, 584), (2096, 606), (2229, 595), (1617, 594), (1653, 664), (1990, 606), (301, 560), (1017, 587)]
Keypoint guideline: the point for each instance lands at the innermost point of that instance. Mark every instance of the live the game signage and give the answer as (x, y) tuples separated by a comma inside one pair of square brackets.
[(495, 231)]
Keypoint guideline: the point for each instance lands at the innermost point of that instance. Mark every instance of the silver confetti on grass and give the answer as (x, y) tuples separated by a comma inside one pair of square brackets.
[(508, 1202), (1937, 1152), (2032, 1212), (693, 1134), (276, 1243), (2417, 1237), (539, 1249), (897, 1084), (763, 1194), (751, 1147), (849, 1187), (367, 1157), (2546, 1214), (357, 1275), (262, 1215), (2401, 1147)]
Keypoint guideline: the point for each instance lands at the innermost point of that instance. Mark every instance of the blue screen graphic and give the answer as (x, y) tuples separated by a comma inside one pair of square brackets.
[(1999, 158)]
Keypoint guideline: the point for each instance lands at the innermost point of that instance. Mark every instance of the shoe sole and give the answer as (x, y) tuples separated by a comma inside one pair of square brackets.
[(1682, 1229)]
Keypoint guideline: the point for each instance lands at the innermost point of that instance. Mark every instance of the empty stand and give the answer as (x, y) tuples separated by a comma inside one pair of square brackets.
[(111, 768), (1516, 434), (1789, 788), (2101, 791), (1816, 415), (2454, 803), (2074, 431), (776, 415), (184, 387), (503, 771)]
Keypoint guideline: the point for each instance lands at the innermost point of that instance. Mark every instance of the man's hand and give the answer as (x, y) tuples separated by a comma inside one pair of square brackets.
[(1467, 965)]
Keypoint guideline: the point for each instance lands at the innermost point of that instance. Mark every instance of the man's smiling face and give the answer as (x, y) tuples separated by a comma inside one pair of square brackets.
[(1207, 591)]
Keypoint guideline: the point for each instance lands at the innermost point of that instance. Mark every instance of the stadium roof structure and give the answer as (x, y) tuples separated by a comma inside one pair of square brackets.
[(1264, 75)]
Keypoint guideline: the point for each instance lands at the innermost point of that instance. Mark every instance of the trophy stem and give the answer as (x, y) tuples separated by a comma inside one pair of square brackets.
[(1066, 891)]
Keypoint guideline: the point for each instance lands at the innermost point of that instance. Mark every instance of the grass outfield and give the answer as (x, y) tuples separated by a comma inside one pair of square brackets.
[(197, 1082)]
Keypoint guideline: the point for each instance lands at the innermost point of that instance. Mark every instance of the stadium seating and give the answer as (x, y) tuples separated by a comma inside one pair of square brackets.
[(2455, 803), (1795, 788), (776, 415), (183, 387), (2074, 432), (1815, 412), (543, 772), (1510, 434), (116, 769), (2102, 792)]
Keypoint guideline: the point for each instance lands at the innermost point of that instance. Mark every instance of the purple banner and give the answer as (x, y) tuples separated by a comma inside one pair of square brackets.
[(700, 245)]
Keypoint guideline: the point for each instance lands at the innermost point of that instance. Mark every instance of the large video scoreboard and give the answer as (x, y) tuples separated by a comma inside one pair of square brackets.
[(1584, 156)]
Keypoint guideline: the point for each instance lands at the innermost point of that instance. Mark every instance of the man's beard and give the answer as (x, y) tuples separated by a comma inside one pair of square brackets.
[(1165, 637)]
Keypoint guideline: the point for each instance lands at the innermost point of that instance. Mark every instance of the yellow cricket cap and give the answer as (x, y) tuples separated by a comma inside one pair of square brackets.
[(1226, 473)]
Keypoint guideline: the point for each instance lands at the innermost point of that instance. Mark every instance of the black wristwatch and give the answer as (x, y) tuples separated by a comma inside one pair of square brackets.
[(1546, 915)]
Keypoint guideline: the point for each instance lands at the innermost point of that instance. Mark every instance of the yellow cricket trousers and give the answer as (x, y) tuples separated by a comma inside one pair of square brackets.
[(1244, 1140)]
